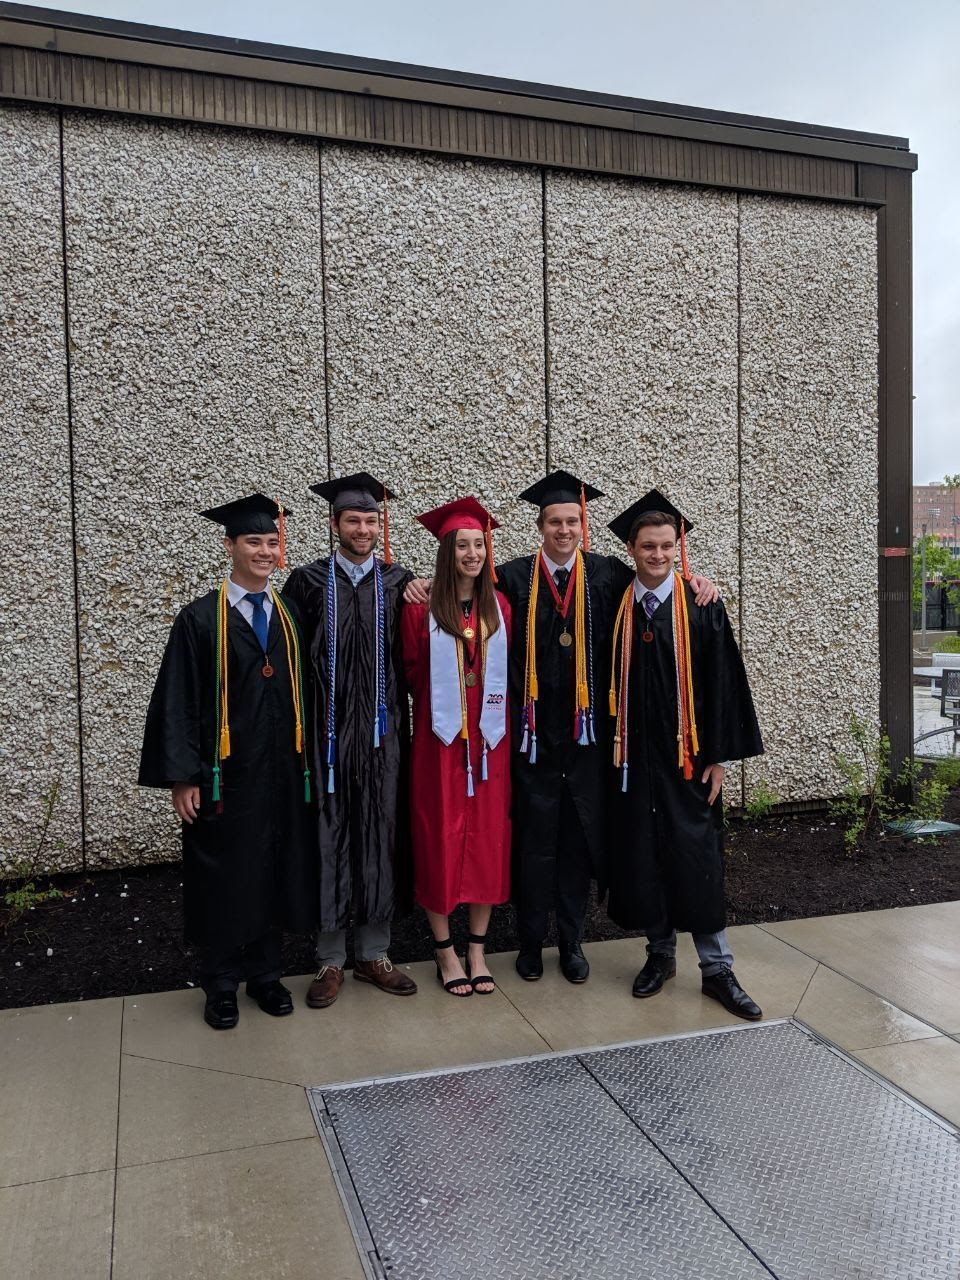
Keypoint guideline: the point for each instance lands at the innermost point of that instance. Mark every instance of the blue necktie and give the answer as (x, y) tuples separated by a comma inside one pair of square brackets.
[(259, 624)]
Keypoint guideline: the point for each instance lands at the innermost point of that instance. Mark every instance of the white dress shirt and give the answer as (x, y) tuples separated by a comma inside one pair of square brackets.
[(663, 592), (355, 572), (553, 567), (236, 598)]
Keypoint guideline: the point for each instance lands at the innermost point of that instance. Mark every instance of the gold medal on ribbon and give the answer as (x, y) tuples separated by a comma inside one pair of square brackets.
[(470, 679), (468, 633), (566, 639)]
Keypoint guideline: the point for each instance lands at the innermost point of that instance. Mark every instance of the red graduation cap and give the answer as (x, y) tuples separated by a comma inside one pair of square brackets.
[(462, 513)]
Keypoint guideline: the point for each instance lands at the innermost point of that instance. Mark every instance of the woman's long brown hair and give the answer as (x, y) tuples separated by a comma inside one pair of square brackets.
[(444, 598)]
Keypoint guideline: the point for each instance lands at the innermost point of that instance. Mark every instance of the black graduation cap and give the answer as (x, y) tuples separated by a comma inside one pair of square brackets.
[(559, 486), (360, 492), (254, 514), (624, 526)]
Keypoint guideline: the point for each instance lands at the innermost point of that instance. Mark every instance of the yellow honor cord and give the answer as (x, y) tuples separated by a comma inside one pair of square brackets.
[(293, 667), (531, 685), (580, 632), (224, 676)]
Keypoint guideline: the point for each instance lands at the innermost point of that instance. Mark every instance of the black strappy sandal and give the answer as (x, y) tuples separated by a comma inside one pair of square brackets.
[(481, 977), (454, 982)]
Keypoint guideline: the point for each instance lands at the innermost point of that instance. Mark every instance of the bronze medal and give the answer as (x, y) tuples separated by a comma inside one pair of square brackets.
[(566, 639), (266, 671), (647, 636), (470, 679), (469, 633)]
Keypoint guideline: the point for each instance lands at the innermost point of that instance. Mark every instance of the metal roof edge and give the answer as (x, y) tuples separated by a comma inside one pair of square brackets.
[(123, 40)]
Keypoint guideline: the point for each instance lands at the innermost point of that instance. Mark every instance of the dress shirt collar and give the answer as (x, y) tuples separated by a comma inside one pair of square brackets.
[(663, 592), (235, 593), (553, 566), (355, 572)]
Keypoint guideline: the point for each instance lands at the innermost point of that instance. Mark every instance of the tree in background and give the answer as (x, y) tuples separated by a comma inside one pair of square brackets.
[(941, 566)]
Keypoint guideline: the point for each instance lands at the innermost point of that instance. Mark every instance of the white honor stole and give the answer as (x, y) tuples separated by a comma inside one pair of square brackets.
[(446, 708)]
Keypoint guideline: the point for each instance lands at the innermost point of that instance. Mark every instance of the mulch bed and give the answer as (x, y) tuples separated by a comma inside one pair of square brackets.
[(120, 932)]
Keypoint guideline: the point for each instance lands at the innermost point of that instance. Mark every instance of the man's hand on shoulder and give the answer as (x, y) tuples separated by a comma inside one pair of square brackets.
[(417, 591), (704, 591)]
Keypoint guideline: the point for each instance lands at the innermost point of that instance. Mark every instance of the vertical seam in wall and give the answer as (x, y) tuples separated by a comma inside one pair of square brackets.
[(740, 591), (73, 493), (546, 320), (323, 311)]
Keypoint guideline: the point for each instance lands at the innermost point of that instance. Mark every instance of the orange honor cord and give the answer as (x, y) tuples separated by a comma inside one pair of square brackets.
[(387, 553), (584, 521), (619, 699), (684, 562), (282, 529), (687, 741)]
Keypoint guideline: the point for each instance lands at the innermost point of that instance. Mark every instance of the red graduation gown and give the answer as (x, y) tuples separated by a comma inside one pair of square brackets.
[(461, 843)]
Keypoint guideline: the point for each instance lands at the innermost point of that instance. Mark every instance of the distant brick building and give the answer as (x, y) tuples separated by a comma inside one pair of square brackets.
[(939, 508)]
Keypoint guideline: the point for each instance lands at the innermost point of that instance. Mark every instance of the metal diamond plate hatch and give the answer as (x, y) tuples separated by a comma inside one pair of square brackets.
[(755, 1152)]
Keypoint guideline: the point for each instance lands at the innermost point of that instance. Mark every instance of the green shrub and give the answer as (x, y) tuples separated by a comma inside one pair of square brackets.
[(950, 645), (868, 795), (947, 771), (760, 805), (23, 892)]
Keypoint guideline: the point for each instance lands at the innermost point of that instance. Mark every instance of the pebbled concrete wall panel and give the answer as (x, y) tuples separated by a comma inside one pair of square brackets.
[(197, 336), (642, 302), (642, 306), (40, 747), (810, 467), (434, 279)]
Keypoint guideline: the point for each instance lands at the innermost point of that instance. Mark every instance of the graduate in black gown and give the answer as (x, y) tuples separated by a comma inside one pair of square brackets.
[(226, 733), (350, 605), (683, 712), (559, 761)]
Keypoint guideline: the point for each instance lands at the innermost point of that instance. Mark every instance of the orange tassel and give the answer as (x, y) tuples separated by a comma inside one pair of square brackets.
[(387, 553), (584, 522), (684, 562), (488, 539), (282, 523)]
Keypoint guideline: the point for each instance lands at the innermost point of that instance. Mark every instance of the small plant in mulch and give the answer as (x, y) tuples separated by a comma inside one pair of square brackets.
[(24, 891), (871, 789), (761, 803)]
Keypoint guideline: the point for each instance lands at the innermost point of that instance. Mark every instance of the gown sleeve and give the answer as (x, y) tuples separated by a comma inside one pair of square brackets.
[(413, 640), (172, 750), (729, 729)]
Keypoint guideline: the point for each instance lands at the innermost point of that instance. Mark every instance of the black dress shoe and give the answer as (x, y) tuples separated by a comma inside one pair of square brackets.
[(573, 963), (723, 986), (530, 963), (272, 997), (220, 1010), (654, 974)]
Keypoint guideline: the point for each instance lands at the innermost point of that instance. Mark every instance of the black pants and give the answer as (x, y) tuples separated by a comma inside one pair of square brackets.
[(571, 887), (224, 968)]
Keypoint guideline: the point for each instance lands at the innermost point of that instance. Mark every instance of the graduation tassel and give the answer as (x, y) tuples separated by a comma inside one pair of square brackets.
[(306, 786), (483, 762), (584, 520), (282, 529), (387, 553), (216, 782), (488, 540), (623, 772)]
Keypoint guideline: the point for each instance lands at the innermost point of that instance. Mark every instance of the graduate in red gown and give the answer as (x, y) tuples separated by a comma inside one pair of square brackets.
[(455, 654)]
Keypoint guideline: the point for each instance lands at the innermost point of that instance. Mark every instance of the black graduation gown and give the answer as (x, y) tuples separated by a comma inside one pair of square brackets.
[(365, 870), (251, 867), (666, 848), (561, 762)]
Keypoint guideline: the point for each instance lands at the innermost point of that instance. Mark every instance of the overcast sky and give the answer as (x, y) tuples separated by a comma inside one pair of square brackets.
[(879, 65)]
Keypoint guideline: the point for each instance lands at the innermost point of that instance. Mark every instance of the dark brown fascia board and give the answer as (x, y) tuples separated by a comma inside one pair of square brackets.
[(31, 27)]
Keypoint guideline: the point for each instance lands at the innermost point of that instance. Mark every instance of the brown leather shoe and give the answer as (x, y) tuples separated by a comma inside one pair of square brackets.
[(383, 975), (325, 987)]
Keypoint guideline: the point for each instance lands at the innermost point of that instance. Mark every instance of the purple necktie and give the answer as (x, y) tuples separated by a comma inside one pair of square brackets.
[(650, 603)]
